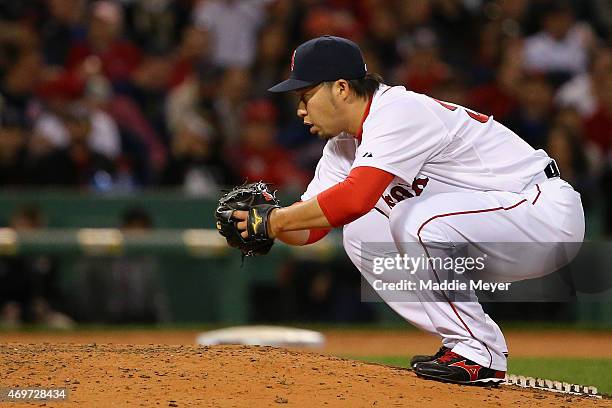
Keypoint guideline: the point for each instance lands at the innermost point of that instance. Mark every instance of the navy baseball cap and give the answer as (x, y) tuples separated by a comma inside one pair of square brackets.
[(323, 59)]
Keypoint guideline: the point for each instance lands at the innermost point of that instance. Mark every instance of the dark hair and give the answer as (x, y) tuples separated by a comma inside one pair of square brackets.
[(366, 86)]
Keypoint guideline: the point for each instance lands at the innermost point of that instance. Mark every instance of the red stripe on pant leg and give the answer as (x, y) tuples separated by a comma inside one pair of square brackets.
[(436, 273), (538, 196)]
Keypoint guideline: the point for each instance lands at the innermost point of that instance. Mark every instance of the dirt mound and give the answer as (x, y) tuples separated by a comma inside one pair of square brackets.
[(522, 343), (237, 376)]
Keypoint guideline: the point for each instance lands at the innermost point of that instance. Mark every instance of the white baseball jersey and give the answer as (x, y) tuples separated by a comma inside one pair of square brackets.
[(480, 183), (432, 145)]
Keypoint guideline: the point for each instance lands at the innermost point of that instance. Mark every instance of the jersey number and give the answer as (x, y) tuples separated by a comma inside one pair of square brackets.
[(474, 115)]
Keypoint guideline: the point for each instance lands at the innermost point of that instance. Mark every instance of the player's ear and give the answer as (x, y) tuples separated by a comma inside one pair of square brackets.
[(340, 89)]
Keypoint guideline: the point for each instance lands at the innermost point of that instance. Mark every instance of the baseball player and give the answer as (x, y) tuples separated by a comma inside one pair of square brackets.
[(425, 175)]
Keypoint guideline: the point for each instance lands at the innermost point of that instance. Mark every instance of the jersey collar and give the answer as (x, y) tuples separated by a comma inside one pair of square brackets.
[(365, 116)]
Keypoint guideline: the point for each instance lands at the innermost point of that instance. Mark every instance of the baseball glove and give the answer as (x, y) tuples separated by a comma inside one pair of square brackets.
[(259, 202)]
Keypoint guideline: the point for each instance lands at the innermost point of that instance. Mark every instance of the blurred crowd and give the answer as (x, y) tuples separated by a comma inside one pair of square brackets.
[(128, 94), (36, 289), (118, 96)]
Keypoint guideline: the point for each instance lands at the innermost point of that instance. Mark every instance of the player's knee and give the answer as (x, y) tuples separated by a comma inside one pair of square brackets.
[(414, 222), (403, 222), (433, 230)]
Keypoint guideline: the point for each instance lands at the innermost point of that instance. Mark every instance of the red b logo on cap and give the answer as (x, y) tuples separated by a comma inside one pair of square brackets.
[(293, 59)]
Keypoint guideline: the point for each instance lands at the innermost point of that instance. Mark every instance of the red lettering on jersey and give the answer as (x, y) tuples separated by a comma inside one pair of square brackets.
[(419, 184), (399, 193), (474, 115), (389, 201), (478, 116), (446, 105)]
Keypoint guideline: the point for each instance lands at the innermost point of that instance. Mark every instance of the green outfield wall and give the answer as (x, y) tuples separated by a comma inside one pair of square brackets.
[(205, 281)]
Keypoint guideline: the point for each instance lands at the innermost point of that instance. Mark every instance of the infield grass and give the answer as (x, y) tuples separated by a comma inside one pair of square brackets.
[(585, 371)]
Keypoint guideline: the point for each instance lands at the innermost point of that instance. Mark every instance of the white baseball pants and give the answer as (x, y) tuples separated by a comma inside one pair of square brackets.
[(545, 215)]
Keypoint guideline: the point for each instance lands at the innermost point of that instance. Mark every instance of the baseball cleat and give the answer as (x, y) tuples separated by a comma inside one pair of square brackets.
[(423, 358), (451, 367)]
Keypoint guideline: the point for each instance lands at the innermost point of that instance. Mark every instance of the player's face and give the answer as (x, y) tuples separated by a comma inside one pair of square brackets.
[(318, 110)]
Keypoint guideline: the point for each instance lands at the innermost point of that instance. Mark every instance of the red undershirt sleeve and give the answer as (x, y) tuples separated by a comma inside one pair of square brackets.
[(355, 196), (316, 234)]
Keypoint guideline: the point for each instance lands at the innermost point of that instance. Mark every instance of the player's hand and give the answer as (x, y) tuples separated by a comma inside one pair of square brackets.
[(242, 217)]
